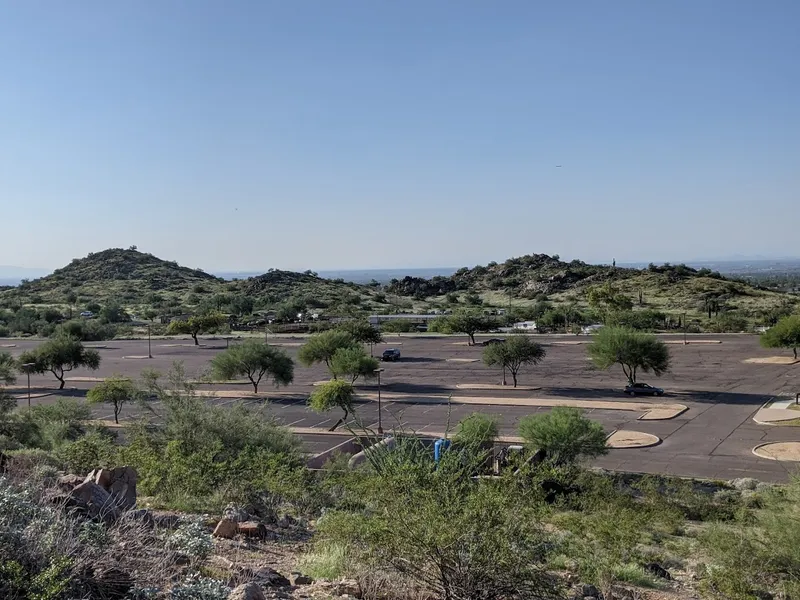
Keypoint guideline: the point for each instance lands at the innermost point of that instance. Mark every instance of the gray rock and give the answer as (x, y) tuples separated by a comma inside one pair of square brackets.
[(296, 578), (97, 502), (247, 591), (235, 513), (744, 483), (587, 589)]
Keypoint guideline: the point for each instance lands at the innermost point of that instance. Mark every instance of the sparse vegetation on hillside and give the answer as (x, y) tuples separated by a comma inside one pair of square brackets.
[(116, 284)]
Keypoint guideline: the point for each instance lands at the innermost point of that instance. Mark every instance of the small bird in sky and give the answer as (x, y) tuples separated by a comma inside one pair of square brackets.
[(558, 166)]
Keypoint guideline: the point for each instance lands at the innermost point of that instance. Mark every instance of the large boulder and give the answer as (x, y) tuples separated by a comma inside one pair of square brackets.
[(247, 591), (96, 501), (120, 482), (225, 529)]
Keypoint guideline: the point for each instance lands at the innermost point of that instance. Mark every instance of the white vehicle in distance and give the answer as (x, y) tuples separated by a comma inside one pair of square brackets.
[(590, 329)]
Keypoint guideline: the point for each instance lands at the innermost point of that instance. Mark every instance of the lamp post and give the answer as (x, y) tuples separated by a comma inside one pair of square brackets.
[(27, 367), (149, 351), (380, 422)]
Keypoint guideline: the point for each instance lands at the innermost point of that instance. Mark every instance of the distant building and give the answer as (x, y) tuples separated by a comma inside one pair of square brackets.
[(526, 326)]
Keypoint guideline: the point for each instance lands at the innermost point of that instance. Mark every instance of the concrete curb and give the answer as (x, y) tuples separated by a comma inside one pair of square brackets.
[(755, 451)]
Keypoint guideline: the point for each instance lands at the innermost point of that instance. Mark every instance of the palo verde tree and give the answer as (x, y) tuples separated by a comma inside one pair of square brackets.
[(362, 332), (254, 359), (564, 435), (321, 347), (59, 356), (196, 325), (353, 363), (469, 323), (516, 352), (333, 394), (117, 391), (784, 334), (633, 350)]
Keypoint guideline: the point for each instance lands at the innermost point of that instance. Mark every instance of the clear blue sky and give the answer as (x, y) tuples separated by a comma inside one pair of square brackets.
[(368, 133)]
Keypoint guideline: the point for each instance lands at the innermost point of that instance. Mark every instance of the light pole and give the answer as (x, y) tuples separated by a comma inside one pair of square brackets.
[(28, 367), (380, 422), (684, 329), (149, 351)]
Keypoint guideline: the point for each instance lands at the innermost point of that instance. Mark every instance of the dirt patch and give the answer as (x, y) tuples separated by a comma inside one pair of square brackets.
[(462, 360), (786, 451), (772, 360), (495, 386), (631, 439)]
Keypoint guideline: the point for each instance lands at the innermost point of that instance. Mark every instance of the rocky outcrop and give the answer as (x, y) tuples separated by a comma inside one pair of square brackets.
[(247, 591), (120, 482)]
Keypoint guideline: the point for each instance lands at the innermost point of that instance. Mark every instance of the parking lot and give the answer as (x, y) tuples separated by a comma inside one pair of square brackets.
[(714, 438)]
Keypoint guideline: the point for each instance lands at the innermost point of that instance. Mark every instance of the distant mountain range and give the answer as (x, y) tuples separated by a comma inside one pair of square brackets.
[(11, 275)]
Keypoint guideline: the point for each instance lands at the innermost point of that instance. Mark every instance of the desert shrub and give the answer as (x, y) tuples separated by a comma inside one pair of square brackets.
[(477, 430), (327, 561), (442, 530), (602, 541), (192, 539), (196, 587), (758, 553), (397, 326), (198, 456), (89, 330), (4, 331), (93, 450), (564, 434)]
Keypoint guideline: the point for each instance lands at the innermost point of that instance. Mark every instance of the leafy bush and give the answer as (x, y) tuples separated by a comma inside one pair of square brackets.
[(89, 330), (477, 430), (564, 434), (192, 539), (199, 456), (399, 326), (442, 530), (195, 587)]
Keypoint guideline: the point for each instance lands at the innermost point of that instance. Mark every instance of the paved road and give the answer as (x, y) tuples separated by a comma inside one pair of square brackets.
[(714, 438)]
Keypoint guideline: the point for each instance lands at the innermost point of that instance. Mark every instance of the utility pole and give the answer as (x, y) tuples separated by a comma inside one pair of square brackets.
[(28, 367), (149, 348), (380, 422), (684, 330)]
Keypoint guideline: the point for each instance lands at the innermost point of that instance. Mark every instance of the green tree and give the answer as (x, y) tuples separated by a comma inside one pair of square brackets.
[(469, 323), (196, 325), (114, 313), (353, 363), (322, 346), (516, 352), (633, 350), (784, 334), (564, 435), (363, 332), (254, 359), (333, 394), (117, 391), (60, 355), (7, 367)]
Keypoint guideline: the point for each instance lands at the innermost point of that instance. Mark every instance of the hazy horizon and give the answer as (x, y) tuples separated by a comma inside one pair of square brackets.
[(11, 275)]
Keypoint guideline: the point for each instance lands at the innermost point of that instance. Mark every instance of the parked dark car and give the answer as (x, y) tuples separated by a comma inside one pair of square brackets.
[(390, 354), (493, 341), (643, 389)]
